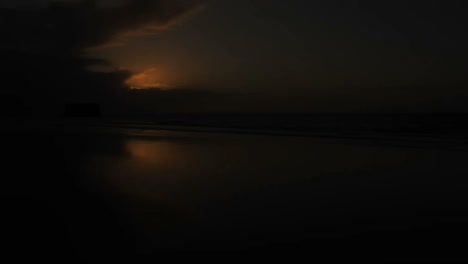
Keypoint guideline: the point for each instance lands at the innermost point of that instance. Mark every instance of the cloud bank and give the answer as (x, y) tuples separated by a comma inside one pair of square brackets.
[(42, 47)]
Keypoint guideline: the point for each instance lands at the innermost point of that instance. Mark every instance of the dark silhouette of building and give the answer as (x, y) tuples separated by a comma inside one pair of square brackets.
[(82, 110)]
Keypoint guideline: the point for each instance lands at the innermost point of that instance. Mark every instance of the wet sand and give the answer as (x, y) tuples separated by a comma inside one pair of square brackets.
[(116, 194)]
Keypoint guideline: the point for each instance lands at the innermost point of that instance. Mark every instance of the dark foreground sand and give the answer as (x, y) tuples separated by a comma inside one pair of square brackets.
[(95, 194)]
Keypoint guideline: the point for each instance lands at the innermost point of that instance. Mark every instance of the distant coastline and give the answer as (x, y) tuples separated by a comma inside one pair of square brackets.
[(441, 130)]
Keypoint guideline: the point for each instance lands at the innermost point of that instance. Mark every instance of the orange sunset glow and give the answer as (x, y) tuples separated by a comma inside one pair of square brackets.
[(148, 79)]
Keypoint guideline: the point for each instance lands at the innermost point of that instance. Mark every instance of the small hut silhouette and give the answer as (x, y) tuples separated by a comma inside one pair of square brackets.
[(82, 110)]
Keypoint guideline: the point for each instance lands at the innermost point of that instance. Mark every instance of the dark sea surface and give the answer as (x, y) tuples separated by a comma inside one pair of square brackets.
[(97, 191)]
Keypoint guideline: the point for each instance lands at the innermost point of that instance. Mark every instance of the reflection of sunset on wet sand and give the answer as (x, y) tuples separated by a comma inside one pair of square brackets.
[(226, 183), (153, 152)]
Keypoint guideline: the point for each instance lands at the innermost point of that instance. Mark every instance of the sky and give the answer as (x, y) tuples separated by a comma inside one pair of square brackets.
[(243, 56)]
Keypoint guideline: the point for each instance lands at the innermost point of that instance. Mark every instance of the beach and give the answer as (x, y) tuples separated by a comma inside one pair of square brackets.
[(150, 191)]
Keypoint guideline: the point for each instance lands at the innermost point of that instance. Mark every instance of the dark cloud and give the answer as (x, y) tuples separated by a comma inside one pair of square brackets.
[(42, 48), (70, 27)]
